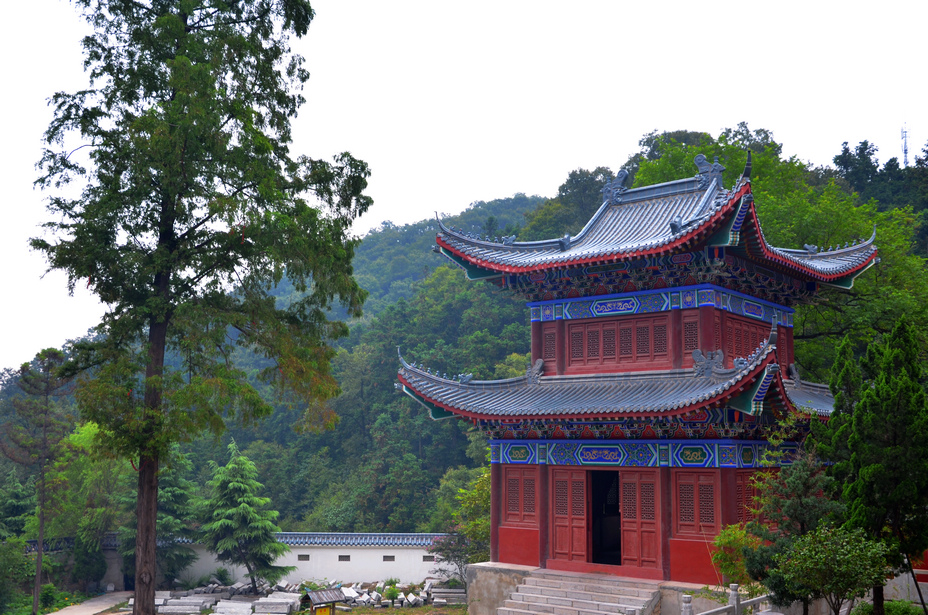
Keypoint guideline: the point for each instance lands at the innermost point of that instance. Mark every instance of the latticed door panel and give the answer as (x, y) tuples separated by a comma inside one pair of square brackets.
[(640, 519), (569, 510)]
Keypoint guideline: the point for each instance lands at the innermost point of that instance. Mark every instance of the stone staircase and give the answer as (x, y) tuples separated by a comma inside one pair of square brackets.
[(572, 593)]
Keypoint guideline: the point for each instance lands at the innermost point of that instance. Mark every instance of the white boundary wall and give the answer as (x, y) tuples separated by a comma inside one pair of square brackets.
[(365, 564)]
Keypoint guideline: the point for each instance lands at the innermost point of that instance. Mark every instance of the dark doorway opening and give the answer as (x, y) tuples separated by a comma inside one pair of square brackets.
[(605, 518)]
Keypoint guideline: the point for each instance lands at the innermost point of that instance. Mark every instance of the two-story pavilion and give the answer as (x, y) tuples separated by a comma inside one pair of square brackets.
[(662, 351)]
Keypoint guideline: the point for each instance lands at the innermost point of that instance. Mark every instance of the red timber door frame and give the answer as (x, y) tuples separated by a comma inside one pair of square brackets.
[(569, 504), (640, 495)]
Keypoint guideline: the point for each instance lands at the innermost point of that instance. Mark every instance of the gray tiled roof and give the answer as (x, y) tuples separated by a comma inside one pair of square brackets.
[(338, 539), (640, 222), (600, 395), (810, 396)]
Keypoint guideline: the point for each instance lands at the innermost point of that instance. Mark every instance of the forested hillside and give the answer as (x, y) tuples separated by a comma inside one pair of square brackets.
[(384, 465)]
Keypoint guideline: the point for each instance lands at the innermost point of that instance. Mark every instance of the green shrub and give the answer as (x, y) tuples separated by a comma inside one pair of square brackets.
[(48, 595), (223, 576), (892, 607), (391, 593)]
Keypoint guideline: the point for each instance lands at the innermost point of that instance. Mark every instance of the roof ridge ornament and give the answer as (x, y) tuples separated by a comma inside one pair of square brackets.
[(708, 172), (707, 363), (533, 373), (615, 188), (746, 174)]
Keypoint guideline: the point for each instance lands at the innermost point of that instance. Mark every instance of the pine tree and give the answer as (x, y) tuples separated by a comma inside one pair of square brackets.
[(885, 468), (237, 525), (192, 209), (32, 441)]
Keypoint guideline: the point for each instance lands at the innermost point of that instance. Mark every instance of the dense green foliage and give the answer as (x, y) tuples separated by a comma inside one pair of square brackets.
[(834, 564), (238, 527)]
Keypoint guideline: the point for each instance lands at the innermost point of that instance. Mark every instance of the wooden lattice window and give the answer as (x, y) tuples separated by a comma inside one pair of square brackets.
[(592, 343), (743, 337), (576, 344), (549, 352), (528, 495), (744, 494), (595, 342), (629, 501), (578, 498), (625, 341), (695, 506), (609, 343), (660, 339), (690, 336), (561, 498), (643, 340), (647, 501), (520, 497)]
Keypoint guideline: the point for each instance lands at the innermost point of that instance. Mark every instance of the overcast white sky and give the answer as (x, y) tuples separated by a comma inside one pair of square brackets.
[(454, 102)]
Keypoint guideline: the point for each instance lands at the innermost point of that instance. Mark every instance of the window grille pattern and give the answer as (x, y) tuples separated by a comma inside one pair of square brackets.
[(625, 341), (647, 501), (643, 340), (608, 343), (389, 558), (576, 344), (528, 496), (344, 558), (550, 347), (690, 336), (577, 498), (707, 504), (718, 332), (513, 505), (695, 505), (561, 498), (629, 501), (592, 344), (686, 505), (660, 339)]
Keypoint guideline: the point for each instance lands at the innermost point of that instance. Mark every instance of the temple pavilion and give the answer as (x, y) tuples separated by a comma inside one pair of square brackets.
[(662, 352)]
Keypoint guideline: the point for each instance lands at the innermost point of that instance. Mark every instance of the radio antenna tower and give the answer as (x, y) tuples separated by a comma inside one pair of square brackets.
[(905, 147)]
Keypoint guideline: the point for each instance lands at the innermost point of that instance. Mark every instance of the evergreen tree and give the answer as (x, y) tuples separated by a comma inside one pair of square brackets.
[(32, 441), (192, 210), (886, 489), (237, 525)]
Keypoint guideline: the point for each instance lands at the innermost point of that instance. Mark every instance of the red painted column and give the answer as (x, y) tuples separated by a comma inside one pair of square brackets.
[(706, 325), (666, 517), (676, 338), (728, 494), (562, 346), (496, 498), (543, 506), (537, 342)]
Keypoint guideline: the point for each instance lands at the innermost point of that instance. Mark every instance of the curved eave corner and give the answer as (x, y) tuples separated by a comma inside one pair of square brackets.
[(473, 271), (436, 412), (766, 253)]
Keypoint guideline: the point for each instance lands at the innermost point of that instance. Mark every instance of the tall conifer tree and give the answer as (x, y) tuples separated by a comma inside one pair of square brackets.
[(192, 210), (237, 524), (32, 440), (884, 467)]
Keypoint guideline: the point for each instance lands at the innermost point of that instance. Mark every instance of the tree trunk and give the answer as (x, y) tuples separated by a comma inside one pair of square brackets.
[(40, 544), (147, 503), (146, 538), (878, 601)]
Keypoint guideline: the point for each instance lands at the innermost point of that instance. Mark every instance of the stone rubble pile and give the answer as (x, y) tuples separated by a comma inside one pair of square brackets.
[(285, 598)]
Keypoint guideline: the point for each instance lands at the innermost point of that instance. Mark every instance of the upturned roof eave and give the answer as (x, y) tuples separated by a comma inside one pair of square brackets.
[(735, 388), (692, 240)]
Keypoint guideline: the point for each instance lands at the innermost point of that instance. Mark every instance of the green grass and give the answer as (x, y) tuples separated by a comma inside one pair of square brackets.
[(22, 604)]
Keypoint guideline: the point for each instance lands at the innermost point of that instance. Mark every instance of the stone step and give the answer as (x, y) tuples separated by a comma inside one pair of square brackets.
[(634, 594), (529, 609), (559, 578), (617, 604)]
